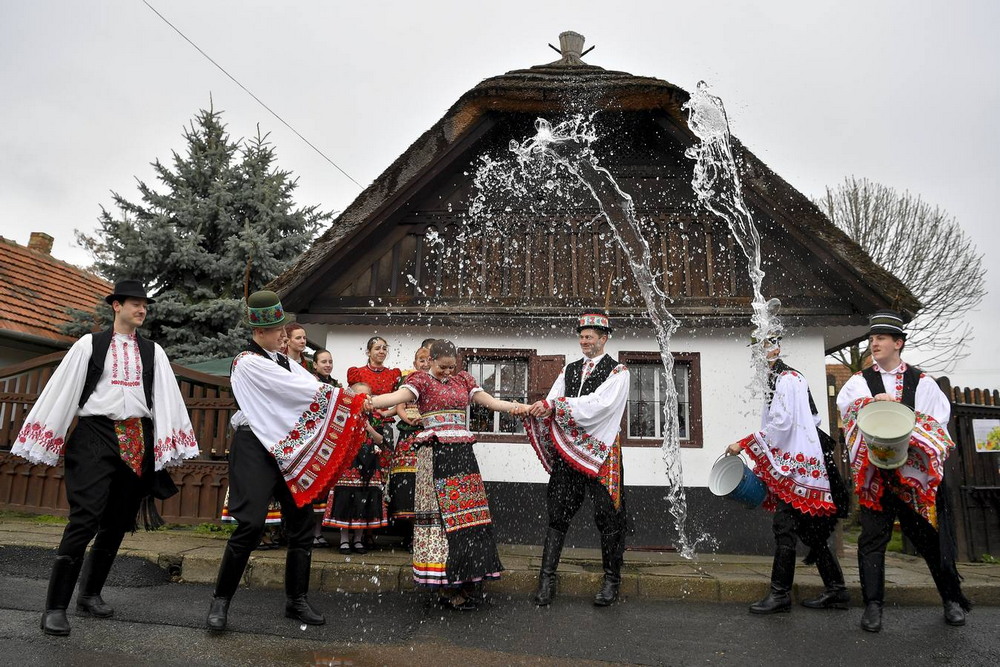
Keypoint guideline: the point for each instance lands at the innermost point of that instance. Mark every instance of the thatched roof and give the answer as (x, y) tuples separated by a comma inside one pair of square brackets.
[(566, 85)]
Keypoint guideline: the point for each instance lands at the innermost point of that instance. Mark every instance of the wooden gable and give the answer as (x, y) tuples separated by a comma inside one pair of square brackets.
[(421, 257)]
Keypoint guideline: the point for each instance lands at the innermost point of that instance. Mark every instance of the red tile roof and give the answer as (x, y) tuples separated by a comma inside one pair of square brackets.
[(36, 289)]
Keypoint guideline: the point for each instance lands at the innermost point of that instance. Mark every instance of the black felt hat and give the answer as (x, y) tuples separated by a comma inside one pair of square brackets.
[(128, 288), (886, 322)]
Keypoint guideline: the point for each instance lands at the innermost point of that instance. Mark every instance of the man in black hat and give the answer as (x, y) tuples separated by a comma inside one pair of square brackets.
[(123, 390), (914, 492), (292, 438), (575, 433)]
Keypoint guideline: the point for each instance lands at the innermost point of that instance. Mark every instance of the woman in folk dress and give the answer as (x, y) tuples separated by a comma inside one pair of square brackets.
[(453, 544)]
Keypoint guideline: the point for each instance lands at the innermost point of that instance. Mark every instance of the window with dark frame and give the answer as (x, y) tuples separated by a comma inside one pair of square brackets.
[(643, 421), (505, 378)]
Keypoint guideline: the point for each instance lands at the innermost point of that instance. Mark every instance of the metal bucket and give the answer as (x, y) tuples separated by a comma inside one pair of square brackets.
[(886, 426), (731, 478)]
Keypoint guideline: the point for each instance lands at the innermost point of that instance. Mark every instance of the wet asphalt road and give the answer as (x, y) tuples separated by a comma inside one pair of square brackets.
[(162, 623)]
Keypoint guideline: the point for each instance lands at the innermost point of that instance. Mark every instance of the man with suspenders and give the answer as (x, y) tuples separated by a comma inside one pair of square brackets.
[(132, 422)]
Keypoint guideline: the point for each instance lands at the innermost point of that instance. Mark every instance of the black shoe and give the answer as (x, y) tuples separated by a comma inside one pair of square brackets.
[(550, 561), (297, 568), (218, 614), (94, 605), (953, 613), (776, 602), (457, 603), (608, 593), (65, 571), (871, 620), (300, 609), (54, 622), (345, 548), (359, 548), (546, 589), (831, 598)]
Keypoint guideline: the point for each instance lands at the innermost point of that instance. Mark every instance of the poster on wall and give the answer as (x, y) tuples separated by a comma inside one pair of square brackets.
[(987, 434)]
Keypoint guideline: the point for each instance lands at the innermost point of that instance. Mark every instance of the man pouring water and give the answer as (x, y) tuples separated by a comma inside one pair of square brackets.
[(909, 489), (795, 461)]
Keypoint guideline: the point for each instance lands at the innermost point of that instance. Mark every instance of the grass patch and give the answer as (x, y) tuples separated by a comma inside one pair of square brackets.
[(852, 533), (36, 518)]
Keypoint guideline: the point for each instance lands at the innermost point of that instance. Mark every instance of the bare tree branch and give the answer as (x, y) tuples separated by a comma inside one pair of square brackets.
[(926, 249)]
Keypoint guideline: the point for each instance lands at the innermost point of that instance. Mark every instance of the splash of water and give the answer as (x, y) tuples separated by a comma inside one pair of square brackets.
[(543, 161), (719, 189)]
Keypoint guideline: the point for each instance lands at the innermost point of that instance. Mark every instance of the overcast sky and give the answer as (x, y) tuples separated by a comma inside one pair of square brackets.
[(904, 93)]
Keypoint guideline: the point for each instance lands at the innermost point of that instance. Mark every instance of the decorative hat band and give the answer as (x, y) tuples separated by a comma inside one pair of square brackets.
[(594, 320), (266, 316)]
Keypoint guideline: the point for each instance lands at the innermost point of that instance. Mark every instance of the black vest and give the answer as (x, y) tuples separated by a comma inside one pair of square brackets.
[(95, 368), (597, 376), (911, 377)]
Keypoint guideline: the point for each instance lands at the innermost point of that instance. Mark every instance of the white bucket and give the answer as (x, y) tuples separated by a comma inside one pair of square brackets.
[(730, 478), (886, 426)]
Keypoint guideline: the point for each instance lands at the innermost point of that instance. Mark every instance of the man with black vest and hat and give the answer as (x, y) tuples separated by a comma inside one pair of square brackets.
[(575, 432), (293, 438), (132, 423), (913, 493)]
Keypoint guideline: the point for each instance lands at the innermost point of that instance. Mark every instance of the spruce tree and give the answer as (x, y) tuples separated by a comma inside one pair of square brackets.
[(223, 205)]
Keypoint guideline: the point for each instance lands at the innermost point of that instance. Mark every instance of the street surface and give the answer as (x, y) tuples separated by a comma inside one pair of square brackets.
[(161, 623)]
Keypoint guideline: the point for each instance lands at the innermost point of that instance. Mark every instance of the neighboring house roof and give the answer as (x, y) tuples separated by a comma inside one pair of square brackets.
[(36, 289), (556, 88)]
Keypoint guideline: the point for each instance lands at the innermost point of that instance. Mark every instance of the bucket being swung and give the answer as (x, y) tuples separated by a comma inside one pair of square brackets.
[(731, 478), (886, 427)]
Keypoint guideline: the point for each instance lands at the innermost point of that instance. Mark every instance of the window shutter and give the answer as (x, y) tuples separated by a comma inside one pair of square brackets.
[(542, 373)]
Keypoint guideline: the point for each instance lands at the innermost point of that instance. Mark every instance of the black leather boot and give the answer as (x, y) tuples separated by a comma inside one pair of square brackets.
[(871, 568), (297, 567), (835, 596), (95, 572), (62, 581), (779, 598), (230, 573), (612, 556), (550, 561)]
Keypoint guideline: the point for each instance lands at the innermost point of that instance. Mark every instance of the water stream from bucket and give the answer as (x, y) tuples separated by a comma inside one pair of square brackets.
[(719, 189), (566, 148)]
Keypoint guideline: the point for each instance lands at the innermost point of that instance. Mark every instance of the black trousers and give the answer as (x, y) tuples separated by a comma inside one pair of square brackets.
[(876, 531), (565, 494), (103, 492), (254, 478), (790, 525)]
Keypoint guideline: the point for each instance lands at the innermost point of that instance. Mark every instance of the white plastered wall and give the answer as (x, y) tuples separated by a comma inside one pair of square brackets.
[(727, 412)]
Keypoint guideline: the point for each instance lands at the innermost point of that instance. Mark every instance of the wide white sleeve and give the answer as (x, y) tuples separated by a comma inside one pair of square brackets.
[(42, 438), (854, 389), (558, 387), (272, 399), (931, 401), (173, 435), (600, 413), (788, 420)]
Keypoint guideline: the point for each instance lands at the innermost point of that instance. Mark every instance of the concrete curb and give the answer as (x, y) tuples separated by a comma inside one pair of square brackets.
[(194, 557)]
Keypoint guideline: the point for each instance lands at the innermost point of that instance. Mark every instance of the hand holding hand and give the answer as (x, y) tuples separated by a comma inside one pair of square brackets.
[(538, 409)]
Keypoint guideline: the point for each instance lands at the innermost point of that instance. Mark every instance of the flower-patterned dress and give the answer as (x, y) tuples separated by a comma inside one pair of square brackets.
[(453, 541)]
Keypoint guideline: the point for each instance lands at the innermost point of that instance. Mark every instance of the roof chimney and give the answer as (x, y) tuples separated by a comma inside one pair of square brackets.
[(40, 242)]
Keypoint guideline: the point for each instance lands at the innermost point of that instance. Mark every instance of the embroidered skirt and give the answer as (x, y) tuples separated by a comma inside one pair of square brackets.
[(403, 479), (357, 500), (453, 540)]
